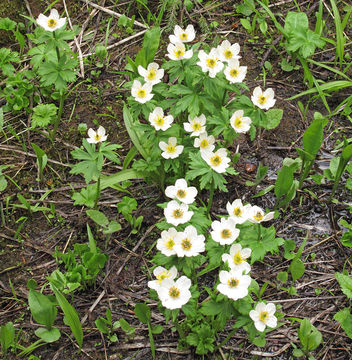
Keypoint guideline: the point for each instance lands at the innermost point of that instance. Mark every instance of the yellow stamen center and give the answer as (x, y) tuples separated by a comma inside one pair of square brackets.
[(174, 292), (97, 137), (179, 53), (232, 282), (151, 74), (211, 63), (237, 258), (237, 211), (171, 149), (215, 160), (262, 100), (234, 72), (238, 122), (141, 93), (52, 23), (196, 126), (181, 193), (160, 121), (184, 36), (162, 276), (178, 213), (228, 54), (263, 316), (226, 233), (204, 143), (258, 216), (170, 244), (186, 244)]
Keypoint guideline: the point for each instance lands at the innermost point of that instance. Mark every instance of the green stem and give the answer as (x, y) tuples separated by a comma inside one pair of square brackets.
[(211, 195), (56, 48), (97, 193), (259, 228), (58, 118)]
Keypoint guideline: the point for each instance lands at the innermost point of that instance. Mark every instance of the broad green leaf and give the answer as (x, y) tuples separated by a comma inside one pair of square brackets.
[(123, 175), (71, 317), (98, 217), (344, 317), (296, 269), (345, 282), (313, 136), (7, 336), (47, 335), (273, 118), (143, 313), (309, 335), (43, 310), (283, 182)]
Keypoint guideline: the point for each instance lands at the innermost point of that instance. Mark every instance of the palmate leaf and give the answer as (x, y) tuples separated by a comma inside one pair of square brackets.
[(345, 282), (344, 317), (269, 243), (58, 74)]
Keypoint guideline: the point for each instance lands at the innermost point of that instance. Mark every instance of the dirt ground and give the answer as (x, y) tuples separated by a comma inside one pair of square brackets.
[(26, 251)]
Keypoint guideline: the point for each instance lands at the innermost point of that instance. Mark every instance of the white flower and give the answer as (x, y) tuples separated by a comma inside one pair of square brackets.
[(256, 215), (264, 315), (189, 243), (240, 123), (96, 137), (218, 161), (228, 52), (234, 72), (205, 142), (170, 149), (196, 125), (210, 62), (175, 294), (224, 231), (161, 274), (167, 242), (142, 93), (51, 22), (181, 192), (178, 51), (237, 211), (184, 36), (263, 99), (152, 74), (176, 213), (233, 284), (236, 258), (159, 121)]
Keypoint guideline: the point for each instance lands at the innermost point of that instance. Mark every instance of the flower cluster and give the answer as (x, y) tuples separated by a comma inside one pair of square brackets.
[(224, 57), (180, 239), (235, 282), (187, 243)]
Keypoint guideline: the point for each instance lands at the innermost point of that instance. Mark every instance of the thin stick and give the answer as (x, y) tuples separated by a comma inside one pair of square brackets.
[(120, 42), (113, 13), (80, 55)]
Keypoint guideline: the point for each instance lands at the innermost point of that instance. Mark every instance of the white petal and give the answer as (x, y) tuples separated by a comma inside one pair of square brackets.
[(54, 14)]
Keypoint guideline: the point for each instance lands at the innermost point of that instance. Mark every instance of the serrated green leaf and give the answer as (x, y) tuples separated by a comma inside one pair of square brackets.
[(345, 282), (344, 317)]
